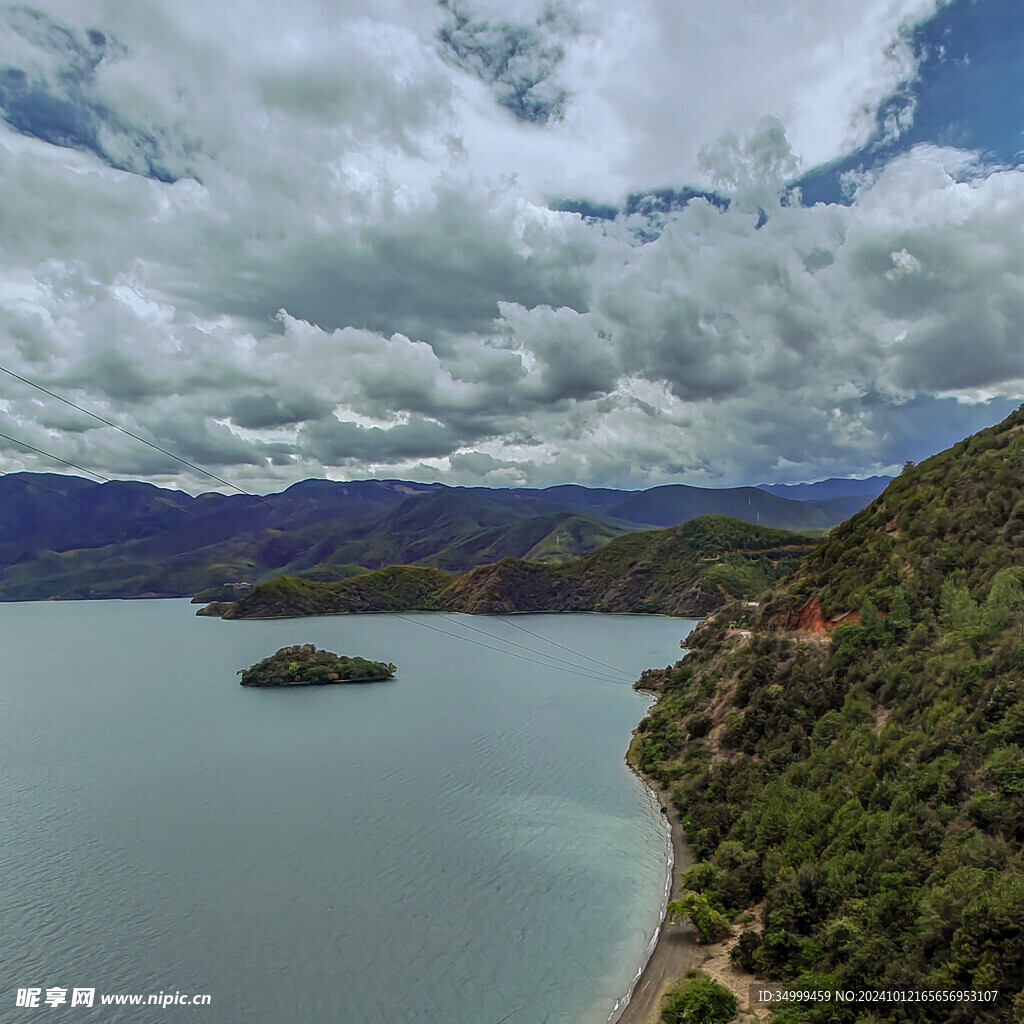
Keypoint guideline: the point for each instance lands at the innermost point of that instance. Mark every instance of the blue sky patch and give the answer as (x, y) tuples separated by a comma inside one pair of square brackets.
[(967, 95), (60, 107)]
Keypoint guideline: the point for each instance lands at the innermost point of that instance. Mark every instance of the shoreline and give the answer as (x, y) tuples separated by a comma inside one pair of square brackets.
[(674, 950)]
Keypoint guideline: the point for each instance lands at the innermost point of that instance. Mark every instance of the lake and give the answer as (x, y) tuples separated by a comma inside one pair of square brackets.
[(459, 844)]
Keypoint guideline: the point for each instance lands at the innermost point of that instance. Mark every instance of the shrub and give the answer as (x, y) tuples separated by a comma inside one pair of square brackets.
[(742, 953), (698, 1000), (699, 724)]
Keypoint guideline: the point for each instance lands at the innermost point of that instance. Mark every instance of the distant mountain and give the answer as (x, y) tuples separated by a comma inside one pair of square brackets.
[(454, 530), (70, 538), (595, 501), (834, 487), (676, 503), (683, 570), (671, 504), (64, 513), (65, 537)]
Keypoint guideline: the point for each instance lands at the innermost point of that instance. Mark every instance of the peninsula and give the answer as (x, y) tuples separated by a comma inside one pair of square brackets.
[(687, 570), (306, 665)]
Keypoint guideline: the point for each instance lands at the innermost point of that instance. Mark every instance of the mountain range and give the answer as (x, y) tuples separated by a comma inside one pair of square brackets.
[(67, 537)]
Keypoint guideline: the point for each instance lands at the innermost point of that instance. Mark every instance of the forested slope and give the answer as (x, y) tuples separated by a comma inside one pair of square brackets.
[(847, 757)]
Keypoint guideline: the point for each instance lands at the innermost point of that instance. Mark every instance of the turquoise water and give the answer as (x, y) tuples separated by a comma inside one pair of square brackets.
[(455, 845)]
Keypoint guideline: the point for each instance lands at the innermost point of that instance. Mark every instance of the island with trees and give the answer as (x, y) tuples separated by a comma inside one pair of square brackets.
[(306, 665)]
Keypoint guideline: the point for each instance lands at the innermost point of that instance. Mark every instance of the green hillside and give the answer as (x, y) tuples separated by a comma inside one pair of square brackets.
[(847, 757), (684, 570)]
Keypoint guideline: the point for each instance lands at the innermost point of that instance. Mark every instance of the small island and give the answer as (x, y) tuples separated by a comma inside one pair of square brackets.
[(306, 665)]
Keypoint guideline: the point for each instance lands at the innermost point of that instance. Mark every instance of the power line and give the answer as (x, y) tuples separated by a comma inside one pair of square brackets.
[(494, 636), (56, 458), (504, 640), (603, 664), (27, 479), (478, 643), (151, 444), (99, 476)]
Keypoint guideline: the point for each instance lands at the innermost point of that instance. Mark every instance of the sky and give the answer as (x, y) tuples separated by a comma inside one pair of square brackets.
[(517, 243)]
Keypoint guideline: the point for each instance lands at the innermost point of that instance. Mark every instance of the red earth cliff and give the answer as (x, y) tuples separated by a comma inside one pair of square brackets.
[(811, 620)]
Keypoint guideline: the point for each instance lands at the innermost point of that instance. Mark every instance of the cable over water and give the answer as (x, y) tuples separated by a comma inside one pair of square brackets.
[(603, 664), (512, 643), (508, 654)]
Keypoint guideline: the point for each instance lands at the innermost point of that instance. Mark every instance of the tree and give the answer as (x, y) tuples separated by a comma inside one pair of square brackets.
[(868, 614), (711, 925), (959, 612), (1004, 606), (899, 613)]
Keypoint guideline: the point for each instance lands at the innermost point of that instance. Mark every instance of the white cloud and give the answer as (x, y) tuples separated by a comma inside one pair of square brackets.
[(272, 90)]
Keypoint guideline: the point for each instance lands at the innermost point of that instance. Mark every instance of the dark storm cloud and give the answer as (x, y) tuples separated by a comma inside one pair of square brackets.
[(519, 62), (976, 348), (340, 443), (53, 97), (123, 377), (209, 443), (424, 274), (256, 412)]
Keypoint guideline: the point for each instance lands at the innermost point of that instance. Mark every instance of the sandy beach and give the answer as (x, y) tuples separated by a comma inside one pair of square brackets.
[(676, 950)]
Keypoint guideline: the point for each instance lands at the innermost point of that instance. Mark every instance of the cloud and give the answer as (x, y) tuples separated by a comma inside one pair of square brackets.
[(606, 101), (962, 94), (345, 443), (355, 280), (261, 411), (753, 170), (433, 263), (721, 352), (566, 358)]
